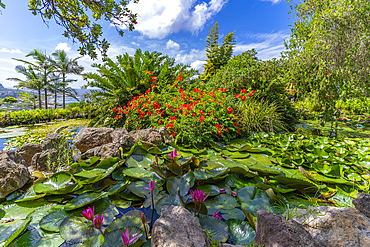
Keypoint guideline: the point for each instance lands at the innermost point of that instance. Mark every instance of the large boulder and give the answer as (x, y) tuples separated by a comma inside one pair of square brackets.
[(89, 138), (167, 137), (105, 151), (122, 137), (13, 172), (55, 155), (335, 227), (177, 227), (147, 135), (27, 151), (362, 203), (275, 231)]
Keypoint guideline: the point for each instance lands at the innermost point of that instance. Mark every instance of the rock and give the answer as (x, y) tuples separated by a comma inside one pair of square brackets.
[(167, 137), (13, 172), (336, 227), (125, 140), (362, 203), (27, 151), (274, 231), (89, 138), (104, 151), (147, 135), (117, 133), (177, 227)]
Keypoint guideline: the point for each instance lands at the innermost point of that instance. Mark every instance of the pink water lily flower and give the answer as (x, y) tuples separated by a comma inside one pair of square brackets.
[(151, 186), (126, 238), (98, 222), (217, 215), (222, 190), (156, 160), (88, 213), (173, 154), (233, 193), (198, 196)]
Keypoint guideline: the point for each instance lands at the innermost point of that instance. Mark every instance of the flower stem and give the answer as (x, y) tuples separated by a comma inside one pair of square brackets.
[(146, 232), (151, 221), (200, 205), (195, 207), (101, 232)]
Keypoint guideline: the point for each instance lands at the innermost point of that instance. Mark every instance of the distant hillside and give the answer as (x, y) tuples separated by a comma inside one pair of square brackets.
[(1, 85)]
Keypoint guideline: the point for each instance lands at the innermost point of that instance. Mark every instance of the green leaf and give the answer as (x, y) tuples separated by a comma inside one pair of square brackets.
[(235, 213), (168, 200), (58, 183), (210, 189), (137, 173), (176, 184), (52, 221), (226, 201), (114, 237), (77, 229), (241, 233), (11, 230), (219, 229), (94, 241), (124, 222), (138, 161), (83, 200), (34, 238)]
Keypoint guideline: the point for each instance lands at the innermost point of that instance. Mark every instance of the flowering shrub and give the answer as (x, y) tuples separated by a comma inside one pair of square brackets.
[(190, 114)]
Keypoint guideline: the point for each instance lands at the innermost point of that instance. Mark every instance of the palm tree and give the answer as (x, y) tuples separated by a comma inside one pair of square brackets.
[(56, 86), (31, 98), (63, 65), (33, 80), (43, 66), (122, 79)]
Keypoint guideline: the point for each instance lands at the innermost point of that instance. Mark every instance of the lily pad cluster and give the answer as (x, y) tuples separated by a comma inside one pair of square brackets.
[(271, 172)]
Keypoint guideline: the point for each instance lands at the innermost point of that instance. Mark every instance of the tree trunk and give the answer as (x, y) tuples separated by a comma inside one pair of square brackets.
[(64, 91), (39, 98), (46, 98)]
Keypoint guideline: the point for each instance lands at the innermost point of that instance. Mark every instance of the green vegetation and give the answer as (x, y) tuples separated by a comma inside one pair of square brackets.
[(80, 20), (235, 150)]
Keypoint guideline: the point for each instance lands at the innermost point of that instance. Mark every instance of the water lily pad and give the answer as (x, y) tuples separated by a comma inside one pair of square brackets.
[(234, 213), (235, 180), (226, 201), (77, 229), (52, 221), (138, 161), (168, 200), (219, 229), (11, 230), (83, 200), (176, 184), (137, 173), (210, 189), (124, 222), (34, 238), (58, 183), (241, 233), (94, 241), (114, 238)]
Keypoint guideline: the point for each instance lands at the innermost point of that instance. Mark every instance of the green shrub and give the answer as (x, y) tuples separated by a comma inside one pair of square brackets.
[(190, 114), (266, 77), (260, 116)]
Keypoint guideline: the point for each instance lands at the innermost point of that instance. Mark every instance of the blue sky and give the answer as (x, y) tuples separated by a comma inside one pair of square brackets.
[(178, 28)]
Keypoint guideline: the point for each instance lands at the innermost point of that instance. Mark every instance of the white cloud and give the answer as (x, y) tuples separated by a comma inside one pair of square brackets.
[(63, 46), (10, 51), (273, 1), (159, 18), (270, 47), (198, 65), (191, 57), (134, 43), (171, 45)]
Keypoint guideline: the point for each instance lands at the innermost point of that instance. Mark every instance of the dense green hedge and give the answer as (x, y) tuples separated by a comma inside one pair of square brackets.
[(40, 115)]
